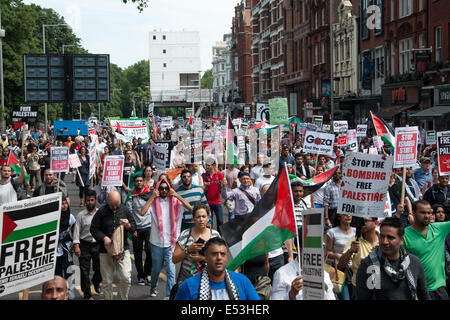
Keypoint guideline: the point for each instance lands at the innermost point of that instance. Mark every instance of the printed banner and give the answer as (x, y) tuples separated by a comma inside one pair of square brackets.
[(352, 140), (430, 138), (74, 161), (29, 240), (361, 130), (405, 153), (317, 120), (24, 113), (132, 128), (113, 171), (443, 148), (377, 142), (59, 159), (160, 155), (262, 112), (340, 126), (312, 255), (279, 113), (318, 142), (365, 181)]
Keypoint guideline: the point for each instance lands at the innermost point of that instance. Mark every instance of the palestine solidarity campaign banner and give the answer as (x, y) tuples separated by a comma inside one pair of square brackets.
[(443, 148), (29, 231), (365, 182), (132, 128)]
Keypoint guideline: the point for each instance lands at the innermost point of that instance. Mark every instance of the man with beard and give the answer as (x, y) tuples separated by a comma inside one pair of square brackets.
[(389, 272), (86, 248), (141, 237), (215, 282), (427, 241)]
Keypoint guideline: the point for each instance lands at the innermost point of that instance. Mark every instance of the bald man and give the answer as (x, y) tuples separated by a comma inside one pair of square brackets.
[(105, 221), (55, 289)]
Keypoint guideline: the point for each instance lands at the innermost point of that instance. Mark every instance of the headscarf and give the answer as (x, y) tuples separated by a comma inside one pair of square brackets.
[(174, 206), (64, 219)]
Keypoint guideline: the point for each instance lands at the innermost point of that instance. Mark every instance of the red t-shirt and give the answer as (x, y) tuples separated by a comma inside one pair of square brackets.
[(3, 162), (213, 191)]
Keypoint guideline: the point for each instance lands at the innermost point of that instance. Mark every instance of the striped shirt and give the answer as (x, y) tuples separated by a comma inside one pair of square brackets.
[(331, 195), (192, 195)]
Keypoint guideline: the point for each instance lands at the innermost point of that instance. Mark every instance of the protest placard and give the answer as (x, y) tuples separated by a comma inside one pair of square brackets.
[(74, 161), (340, 126), (318, 142), (317, 120), (113, 171), (377, 142), (443, 149), (29, 232), (132, 128), (361, 130), (365, 181), (312, 255), (405, 153), (352, 140), (278, 110), (92, 159), (341, 141), (430, 138), (326, 127), (59, 159), (160, 154)]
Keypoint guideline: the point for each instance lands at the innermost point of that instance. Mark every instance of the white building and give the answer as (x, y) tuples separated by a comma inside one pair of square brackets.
[(174, 64), (222, 71)]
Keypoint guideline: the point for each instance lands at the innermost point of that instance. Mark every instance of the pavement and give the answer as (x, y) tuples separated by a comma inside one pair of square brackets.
[(137, 292)]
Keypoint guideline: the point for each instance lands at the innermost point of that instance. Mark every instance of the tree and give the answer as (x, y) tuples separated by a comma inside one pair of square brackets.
[(207, 79), (141, 4)]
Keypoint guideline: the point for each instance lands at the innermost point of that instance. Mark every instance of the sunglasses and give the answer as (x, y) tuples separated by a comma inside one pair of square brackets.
[(163, 188)]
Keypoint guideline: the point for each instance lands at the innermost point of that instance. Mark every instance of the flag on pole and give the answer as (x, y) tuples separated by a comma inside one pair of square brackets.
[(190, 123), (315, 183), (15, 165), (384, 130), (232, 150), (133, 112), (270, 224)]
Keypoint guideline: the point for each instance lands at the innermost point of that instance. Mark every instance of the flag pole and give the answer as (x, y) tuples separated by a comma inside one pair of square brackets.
[(295, 220), (59, 180)]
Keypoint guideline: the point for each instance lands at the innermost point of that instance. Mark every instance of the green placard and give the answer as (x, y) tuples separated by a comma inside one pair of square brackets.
[(278, 110)]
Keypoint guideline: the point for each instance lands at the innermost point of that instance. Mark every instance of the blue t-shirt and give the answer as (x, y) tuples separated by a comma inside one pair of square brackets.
[(188, 290)]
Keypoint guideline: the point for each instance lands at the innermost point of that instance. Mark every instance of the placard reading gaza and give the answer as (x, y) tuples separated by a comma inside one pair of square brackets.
[(29, 232), (318, 142), (365, 181)]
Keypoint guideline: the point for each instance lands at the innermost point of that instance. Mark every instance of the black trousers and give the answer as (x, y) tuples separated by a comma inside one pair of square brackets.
[(142, 243), (89, 251)]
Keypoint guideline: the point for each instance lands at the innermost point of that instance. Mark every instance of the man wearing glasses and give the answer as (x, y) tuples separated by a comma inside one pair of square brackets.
[(357, 248), (192, 193)]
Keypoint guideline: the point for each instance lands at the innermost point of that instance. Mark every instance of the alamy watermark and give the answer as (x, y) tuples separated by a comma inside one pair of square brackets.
[(374, 17)]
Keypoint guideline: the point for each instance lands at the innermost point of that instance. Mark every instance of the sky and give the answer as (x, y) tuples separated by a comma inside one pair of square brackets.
[(112, 27)]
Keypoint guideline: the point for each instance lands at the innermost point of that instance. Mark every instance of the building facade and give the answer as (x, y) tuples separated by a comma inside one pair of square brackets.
[(222, 74)]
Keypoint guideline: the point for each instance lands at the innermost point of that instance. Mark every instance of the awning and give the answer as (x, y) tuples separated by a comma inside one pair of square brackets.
[(390, 112), (432, 113)]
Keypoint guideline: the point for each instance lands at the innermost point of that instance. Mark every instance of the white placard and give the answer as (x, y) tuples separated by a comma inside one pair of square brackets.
[(318, 142)]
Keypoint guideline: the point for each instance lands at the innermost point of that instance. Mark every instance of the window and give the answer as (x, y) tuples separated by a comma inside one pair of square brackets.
[(154, 37), (317, 88), (316, 22), (236, 64), (405, 8), (405, 55), (164, 37), (392, 10), (164, 51), (323, 16), (420, 5), (322, 50), (364, 15), (392, 59), (165, 65), (438, 43), (316, 54)]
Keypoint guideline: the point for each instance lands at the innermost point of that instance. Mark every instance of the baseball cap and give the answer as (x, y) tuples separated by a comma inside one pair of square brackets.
[(425, 159)]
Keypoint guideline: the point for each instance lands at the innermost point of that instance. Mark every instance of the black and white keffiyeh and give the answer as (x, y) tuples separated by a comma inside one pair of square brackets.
[(403, 271), (205, 289)]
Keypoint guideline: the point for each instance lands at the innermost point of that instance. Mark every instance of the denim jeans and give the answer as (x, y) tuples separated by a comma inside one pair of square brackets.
[(159, 257), (217, 209)]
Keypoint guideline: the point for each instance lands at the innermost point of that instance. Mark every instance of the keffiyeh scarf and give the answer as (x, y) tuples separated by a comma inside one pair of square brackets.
[(205, 288)]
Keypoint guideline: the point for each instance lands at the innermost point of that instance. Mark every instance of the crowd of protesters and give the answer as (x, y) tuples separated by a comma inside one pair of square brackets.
[(178, 221)]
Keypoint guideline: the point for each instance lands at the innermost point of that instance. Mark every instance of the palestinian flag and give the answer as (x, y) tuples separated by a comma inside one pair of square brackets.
[(262, 125), (232, 153), (384, 131), (315, 183), (312, 230), (269, 225), (133, 112), (190, 123), (27, 222), (15, 165)]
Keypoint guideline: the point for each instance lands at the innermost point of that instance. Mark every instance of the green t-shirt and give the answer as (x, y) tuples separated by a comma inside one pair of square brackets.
[(430, 250)]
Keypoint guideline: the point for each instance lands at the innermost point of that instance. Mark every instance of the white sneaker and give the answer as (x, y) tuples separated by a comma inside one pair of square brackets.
[(141, 282), (148, 280), (153, 293)]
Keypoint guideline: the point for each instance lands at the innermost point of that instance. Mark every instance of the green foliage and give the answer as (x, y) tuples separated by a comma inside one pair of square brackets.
[(207, 79), (141, 4)]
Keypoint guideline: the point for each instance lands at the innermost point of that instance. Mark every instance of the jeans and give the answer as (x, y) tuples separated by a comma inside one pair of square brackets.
[(318, 205), (159, 257), (108, 266), (142, 243), (89, 251), (217, 208)]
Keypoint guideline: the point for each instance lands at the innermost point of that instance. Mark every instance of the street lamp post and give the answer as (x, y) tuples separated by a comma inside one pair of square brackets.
[(43, 47), (68, 45)]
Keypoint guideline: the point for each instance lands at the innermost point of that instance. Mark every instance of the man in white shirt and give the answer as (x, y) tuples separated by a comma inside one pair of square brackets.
[(257, 171), (166, 208), (266, 178), (288, 283), (9, 187)]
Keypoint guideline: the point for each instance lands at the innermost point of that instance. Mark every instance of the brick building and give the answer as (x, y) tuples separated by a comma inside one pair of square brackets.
[(241, 55), (296, 81), (267, 48)]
